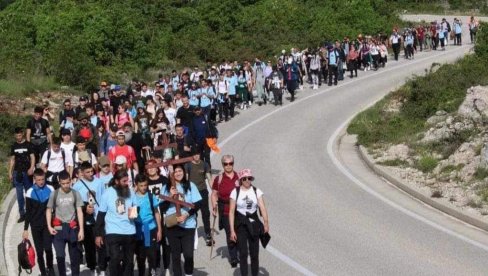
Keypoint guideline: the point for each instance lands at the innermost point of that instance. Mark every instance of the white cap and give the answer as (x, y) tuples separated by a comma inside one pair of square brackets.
[(120, 160)]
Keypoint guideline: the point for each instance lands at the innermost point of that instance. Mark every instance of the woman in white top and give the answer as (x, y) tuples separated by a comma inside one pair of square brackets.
[(245, 225)]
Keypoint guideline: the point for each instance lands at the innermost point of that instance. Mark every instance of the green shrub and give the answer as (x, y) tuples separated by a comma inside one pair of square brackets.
[(427, 163), (393, 163), (481, 173)]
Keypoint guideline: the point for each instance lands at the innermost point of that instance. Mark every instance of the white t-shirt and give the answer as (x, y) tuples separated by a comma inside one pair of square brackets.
[(56, 161), (171, 115), (247, 201), (68, 148)]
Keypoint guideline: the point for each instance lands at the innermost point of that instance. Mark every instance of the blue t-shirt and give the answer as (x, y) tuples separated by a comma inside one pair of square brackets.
[(97, 188), (210, 94), (193, 96), (232, 83), (105, 179), (191, 196), (116, 208), (145, 215)]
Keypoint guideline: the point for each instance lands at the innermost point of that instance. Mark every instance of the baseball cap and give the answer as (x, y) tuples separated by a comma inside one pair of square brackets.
[(103, 161), (120, 160), (120, 133), (83, 98)]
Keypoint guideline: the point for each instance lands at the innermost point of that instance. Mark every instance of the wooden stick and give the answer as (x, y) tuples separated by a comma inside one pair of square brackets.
[(169, 162)]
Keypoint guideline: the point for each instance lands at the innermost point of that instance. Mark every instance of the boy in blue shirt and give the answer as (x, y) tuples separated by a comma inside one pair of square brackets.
[(91, 190), (115, 220), (148, 226)]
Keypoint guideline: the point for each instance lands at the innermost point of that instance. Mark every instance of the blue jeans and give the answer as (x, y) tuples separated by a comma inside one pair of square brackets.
[(20, 183)]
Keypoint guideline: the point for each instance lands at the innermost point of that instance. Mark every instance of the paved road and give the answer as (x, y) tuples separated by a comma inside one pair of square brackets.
[(324, 219)]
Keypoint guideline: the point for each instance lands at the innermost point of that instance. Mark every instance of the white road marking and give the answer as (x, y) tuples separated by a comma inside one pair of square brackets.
[(273, 251), (366, 188)]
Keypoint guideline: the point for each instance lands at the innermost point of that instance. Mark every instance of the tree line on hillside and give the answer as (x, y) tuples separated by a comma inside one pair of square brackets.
[(81, 42)]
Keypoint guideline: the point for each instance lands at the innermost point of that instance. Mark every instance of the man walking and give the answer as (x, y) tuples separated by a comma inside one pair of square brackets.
[(65, 223), (21, 166), (197, 172)]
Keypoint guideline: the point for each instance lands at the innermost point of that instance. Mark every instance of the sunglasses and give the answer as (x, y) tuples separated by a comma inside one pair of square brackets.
[(250, 178), (228, 164)]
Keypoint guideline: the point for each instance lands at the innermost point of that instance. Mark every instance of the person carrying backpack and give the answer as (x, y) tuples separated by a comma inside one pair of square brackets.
[(54, 161), (292, 74), (36, 199), (245, 225), (222, 186), (65, 219), (148, 227)]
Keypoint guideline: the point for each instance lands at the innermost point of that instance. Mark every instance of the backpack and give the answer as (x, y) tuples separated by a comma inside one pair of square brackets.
[(26, 256), (76, 164), (238, 190), (49, 158), (448, 27)]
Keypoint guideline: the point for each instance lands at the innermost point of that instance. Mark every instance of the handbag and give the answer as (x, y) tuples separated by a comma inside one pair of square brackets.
[(170, 220)]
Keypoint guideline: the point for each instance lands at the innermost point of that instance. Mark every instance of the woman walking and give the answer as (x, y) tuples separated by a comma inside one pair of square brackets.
[(180, 227), (244, 222)]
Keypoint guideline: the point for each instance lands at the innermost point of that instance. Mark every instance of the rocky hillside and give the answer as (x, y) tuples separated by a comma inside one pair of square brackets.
[(451, 156)]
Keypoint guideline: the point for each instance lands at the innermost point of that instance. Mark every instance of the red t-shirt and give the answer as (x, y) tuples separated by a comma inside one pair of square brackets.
[(126, 151), (225, 188)]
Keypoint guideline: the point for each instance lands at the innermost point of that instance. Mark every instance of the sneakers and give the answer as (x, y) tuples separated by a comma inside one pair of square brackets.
[(234, 263), (21, 219), (209, 241)]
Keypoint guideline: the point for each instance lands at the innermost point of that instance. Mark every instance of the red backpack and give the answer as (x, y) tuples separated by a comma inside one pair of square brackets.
[(26, 256)]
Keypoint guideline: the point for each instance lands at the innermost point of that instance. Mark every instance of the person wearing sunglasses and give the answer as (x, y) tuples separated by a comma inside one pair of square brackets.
[(245, 225), (222, 186)]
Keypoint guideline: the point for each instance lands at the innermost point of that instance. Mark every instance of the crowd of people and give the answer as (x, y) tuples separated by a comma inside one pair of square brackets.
[(128, 170)]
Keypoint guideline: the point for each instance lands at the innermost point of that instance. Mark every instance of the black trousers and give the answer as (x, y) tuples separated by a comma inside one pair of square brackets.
[(43, 242), (291, 86), (144, 253), (231, 246), (224, 110), (121, 252), (278, 96), (90, 247), (457, 39), (247, 245), (332, 73), (232, 105), (352, 67), (63, 237), (396, 50), (181, 240), (204, 209)]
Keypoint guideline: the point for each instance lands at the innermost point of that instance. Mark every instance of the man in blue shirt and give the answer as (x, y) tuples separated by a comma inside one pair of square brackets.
[(231, 80), (115, 219), (91, 190)]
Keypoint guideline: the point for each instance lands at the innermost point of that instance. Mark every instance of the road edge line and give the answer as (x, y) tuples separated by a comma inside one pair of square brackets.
[(334, 142), (7, 205)]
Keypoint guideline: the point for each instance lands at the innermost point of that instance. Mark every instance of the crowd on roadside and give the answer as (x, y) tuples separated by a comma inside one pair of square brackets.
[(128, 170)]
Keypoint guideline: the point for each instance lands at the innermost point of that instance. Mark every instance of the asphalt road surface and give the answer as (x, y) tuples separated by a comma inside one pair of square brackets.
[(329, 215)]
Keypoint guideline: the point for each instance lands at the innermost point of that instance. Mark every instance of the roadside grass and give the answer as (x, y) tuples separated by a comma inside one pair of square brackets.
[(393, 163), (421, 96), (426, 163)]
